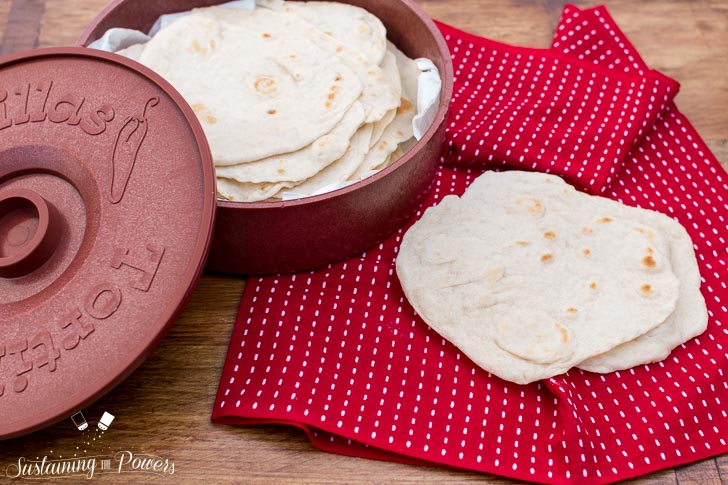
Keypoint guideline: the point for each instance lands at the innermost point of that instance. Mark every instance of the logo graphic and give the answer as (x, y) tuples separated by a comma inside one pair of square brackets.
[(99, 462), (79, 421), (105, 421)]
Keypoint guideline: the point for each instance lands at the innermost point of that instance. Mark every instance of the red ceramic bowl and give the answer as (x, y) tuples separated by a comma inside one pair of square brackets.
[(281, 237)]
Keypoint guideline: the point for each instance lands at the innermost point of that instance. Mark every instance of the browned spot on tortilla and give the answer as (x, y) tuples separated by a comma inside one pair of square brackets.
[(523, 243), (587, 230), (339, 49), (265, 85), (363, 29), (266, 36), (586, 252), (547, 257), (195, 48), (564, 333), (649, 261), (383, 145), (281, 171), (198, 107), (605, 219), (292, 56), (272, 111), (571, 310), (337, 79), (549, 235), (210, 119), (212, 43), (650, 251), (533, 206), (646, 289), (404, 107), (329, 33), (593, 285), (324, 143)]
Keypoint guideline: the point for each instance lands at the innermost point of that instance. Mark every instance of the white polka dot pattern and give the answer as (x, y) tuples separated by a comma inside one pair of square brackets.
[(340, 353)]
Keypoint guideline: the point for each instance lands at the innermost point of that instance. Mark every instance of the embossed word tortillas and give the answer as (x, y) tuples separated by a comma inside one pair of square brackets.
[(529, 278)]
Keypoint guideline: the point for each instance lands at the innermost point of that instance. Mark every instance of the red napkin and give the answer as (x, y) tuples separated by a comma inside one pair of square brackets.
[(341, 354)]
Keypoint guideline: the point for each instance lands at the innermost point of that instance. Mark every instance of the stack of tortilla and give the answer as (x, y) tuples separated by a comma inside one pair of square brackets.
[(293, 96), (529, 278)]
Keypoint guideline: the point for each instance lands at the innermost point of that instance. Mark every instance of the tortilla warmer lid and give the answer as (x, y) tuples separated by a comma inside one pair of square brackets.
[(107, 203)]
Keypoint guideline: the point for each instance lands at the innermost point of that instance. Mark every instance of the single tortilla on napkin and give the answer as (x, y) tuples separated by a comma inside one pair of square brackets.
[(689, 319), (529, 277), (288, 92)]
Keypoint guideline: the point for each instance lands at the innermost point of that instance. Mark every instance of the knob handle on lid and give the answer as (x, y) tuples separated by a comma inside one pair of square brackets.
[(29, 232)]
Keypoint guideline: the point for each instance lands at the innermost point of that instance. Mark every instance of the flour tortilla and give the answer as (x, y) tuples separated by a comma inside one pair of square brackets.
[(377, 96), (346, 23), (529, 277), (342, 169), (235, 191), (391, 74), (302, 164), (288, 92), (398, 131), (689, 319)]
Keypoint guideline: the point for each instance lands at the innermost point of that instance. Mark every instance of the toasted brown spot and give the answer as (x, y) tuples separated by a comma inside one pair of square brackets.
[(534, 206), (383, 145), (646, 289), (549, 235), (210, 119), (265, 85), (198, 107), (329, 33), (649, 261), (272, 111), (587, 230), (404, 107), (195, 48), (324, 143), (292, 56), (281, 171), (593, 285), (650, 251), (266, 36), (586, 252), (571, 310), (363, 29), (547, 257), (564, 333), (337, 79), (523, 243), (212, 43), (605, 220), (400, 134), (339, 49)]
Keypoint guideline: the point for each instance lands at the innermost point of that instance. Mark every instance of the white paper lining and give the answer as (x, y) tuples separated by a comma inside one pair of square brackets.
[(429, 83)]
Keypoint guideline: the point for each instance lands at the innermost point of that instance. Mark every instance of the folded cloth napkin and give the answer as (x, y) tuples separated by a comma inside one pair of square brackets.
[(341, 354)]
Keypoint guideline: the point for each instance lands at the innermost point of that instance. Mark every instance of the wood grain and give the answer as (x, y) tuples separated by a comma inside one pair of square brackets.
[(164, 407)]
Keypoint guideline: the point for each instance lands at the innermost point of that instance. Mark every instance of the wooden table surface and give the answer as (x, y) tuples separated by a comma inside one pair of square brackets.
[(164, 407)]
